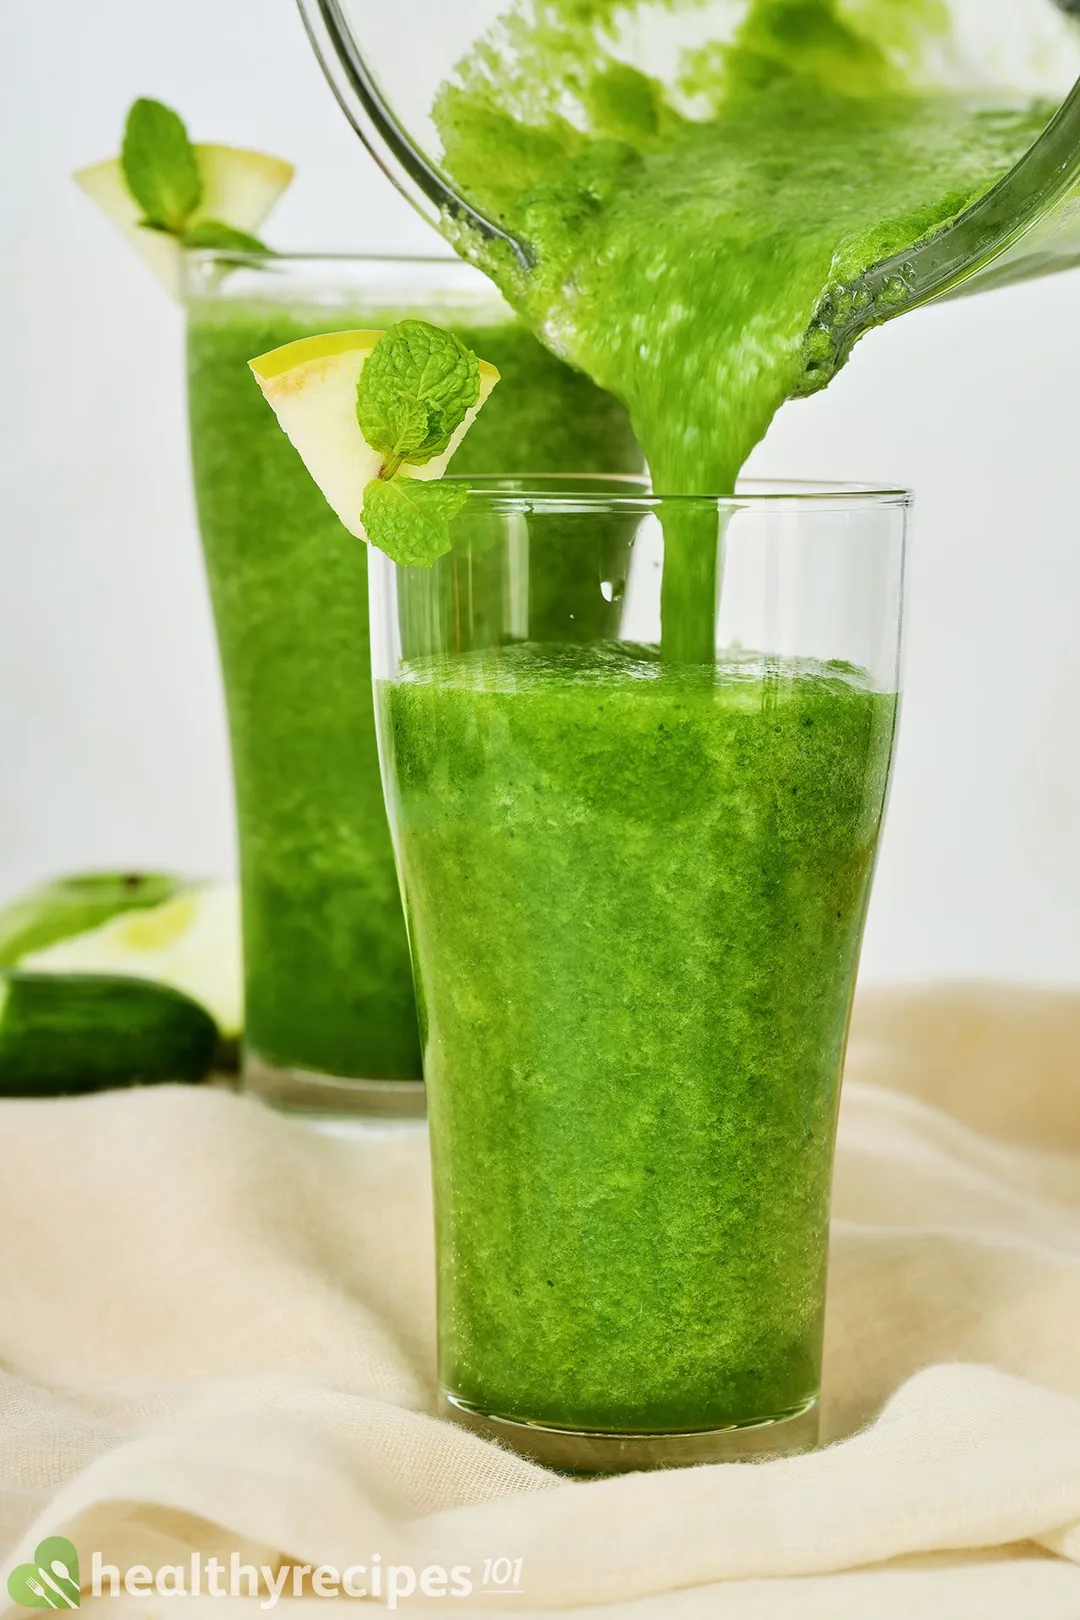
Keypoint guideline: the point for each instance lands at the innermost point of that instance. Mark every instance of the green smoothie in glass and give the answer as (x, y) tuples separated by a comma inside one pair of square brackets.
[(637, 894), (636, 889), (636, 867), (330, 1013), (328, 983)]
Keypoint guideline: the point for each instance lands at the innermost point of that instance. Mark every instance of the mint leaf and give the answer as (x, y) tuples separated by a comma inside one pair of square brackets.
[(159, 166), (211, 233), (418, 385), (410, 519), (407, 433)]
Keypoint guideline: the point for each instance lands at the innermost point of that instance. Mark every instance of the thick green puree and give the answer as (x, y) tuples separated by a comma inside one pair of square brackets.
[(328, 984), (694, 265), (636, 895), (695, 250)]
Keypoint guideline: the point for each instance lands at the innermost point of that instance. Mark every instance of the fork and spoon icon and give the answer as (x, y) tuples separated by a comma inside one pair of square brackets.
[(59, 1569)]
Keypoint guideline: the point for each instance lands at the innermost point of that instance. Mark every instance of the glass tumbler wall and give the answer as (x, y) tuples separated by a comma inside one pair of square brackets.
[(330, 1014), (636, 886)]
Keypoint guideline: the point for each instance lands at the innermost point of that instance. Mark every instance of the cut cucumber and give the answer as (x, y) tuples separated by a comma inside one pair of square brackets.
[(72, 905), (63, 1034)]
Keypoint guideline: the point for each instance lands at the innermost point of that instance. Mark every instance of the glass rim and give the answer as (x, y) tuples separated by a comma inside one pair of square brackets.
[(528, 491), (626, 492), (267, 261)]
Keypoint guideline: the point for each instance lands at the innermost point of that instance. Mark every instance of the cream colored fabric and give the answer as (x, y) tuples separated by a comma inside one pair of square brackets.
[(216, 1334)]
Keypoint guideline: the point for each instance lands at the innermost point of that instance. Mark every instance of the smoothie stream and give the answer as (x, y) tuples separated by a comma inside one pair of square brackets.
[(696, 266), (328, 983)]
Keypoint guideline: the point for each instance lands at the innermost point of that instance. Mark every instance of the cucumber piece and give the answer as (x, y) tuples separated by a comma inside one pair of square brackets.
[(72, 905), (66, 1033)]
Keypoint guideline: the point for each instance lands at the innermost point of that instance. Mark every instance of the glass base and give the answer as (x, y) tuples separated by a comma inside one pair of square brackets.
[(329, 1096), (578, 1451)]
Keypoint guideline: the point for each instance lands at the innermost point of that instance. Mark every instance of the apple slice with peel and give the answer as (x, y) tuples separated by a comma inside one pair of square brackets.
[(191, 941), (311, 385), (239, 189)]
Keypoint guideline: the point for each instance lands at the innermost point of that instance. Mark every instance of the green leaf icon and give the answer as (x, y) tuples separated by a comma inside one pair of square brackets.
[(51, 1581)]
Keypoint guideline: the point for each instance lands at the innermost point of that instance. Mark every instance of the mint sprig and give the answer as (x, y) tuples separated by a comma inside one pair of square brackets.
[(211, 233), (417, 387), (409, 518), (161, 172), (160, 166)]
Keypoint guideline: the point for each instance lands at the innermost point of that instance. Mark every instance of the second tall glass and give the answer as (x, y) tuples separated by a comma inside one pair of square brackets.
[(330, 1013)]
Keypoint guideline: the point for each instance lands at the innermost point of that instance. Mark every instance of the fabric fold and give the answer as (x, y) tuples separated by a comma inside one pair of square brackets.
[(217, 1330)]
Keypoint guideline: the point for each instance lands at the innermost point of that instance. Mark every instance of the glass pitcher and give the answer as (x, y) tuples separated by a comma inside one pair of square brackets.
[(1027, 225)]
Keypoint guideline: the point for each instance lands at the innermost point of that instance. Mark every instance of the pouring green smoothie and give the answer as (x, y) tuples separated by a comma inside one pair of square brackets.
[(635, 892), (695, 265), (636, 871), (699, 266)]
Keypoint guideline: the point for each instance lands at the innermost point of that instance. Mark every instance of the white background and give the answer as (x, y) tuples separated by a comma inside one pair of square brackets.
[(112, 739)]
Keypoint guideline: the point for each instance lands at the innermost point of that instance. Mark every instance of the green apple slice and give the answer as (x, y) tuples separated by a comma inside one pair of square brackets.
[(239, 189), (191, 942), (72, 905), (311, 385)]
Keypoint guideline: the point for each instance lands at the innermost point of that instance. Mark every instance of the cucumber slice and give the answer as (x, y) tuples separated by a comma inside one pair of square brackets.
[(66, 1033), (71, 905)]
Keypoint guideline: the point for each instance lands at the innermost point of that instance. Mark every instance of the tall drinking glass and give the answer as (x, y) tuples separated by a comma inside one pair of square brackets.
[(636, 890), (330, 1014)]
